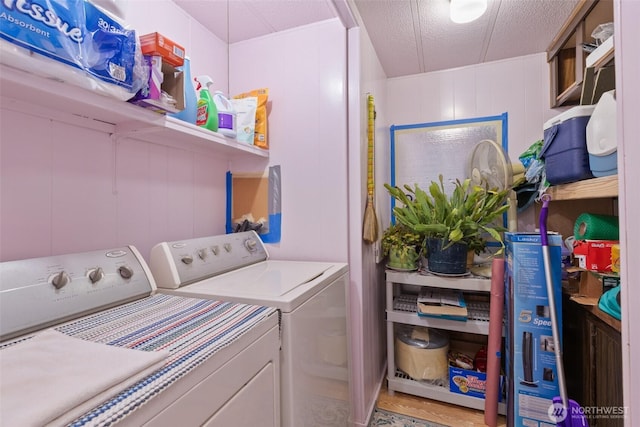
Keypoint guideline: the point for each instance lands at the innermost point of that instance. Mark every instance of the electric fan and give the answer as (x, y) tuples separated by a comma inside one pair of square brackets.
[(489, 166)]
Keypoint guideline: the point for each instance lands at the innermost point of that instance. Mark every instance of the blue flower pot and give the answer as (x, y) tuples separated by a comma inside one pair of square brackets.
[(452, 260)]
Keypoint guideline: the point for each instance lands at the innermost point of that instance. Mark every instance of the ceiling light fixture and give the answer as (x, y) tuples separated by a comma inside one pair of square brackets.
[(463, 11)]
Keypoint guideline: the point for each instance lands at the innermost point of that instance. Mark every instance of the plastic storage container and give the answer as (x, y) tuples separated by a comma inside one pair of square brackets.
[(226, 115), (422, 352), (565, 146), (601, 137)]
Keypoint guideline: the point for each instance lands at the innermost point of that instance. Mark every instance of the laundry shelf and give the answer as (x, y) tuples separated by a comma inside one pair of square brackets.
[(401, 309), (31, 93), (403, 383), (466, 283), (470, 326)]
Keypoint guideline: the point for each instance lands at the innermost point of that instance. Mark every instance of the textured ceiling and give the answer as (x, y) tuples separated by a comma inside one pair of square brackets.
[(409, 36)]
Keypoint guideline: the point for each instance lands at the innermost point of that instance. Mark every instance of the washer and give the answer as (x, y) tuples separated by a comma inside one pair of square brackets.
[(312, 300), (86, 340)]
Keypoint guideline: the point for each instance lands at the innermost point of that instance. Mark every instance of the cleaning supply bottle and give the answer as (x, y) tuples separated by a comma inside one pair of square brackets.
[(226, 115), (207, 112), (190, 98)]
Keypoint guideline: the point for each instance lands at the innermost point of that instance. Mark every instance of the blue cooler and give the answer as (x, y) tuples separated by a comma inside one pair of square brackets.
[(601, 137), (565, 152)]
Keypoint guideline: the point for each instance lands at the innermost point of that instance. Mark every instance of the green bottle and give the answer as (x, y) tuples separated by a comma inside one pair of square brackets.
[(207, 116)]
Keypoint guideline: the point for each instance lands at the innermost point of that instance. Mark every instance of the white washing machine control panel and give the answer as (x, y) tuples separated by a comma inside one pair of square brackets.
[(182, 262), (37, 292)]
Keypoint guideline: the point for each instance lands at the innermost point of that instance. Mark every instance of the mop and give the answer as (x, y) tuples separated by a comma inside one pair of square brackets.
[(565, 412)]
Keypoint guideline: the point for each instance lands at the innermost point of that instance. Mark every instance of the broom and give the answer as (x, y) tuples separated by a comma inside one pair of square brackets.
[(370, 225)]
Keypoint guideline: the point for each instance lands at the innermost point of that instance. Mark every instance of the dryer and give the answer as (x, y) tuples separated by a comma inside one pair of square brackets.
[(310, 296)]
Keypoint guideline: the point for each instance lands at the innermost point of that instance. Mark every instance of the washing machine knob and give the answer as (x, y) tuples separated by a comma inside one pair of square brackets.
[(96, 274), (125, 272), (215, 249), (60, 280), (251, 245), (202, 254), (187, 259), (227, 247)]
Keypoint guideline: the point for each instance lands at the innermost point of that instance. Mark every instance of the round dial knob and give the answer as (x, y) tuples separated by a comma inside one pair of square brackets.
[(187, 259), (60, 280), (96, 274), (251, 245), (202, 254), (227, 247), (125, 272), (215, 249)]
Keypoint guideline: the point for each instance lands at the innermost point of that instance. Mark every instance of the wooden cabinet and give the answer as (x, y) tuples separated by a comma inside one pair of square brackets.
[(592, 350), (566, 57), (593, 363)]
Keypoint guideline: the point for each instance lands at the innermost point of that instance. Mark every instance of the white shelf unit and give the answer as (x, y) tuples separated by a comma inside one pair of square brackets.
[(400, 310), (26, 92)]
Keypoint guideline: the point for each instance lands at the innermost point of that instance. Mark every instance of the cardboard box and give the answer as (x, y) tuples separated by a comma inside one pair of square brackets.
[(471, 383), (531, 369), (595, 284), (157, 44), (162, 77), (594, 255)]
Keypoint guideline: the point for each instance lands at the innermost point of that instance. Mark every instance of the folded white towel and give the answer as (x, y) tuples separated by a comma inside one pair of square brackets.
[(55, 378)]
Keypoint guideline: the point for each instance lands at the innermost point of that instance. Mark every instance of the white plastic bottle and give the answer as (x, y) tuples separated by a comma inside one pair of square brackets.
[(226, 115)]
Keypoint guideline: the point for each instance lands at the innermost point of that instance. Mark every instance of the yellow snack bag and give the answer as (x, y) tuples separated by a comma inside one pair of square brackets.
[(260, 136)]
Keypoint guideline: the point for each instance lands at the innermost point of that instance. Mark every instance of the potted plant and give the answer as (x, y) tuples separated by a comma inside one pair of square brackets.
[(454, 223), (402, 246)]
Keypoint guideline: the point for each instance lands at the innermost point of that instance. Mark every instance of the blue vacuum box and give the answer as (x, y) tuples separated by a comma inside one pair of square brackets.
[(565, 153), (532, 380)]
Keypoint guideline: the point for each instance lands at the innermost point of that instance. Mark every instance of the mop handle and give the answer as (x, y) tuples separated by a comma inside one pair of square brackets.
[(546, 257), (544, 213)]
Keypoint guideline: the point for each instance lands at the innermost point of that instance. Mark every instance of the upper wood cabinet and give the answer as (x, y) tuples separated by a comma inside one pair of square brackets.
[(566, 56)]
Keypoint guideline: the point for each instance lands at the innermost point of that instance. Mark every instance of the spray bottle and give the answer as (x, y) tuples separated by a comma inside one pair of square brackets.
[(207, 112)]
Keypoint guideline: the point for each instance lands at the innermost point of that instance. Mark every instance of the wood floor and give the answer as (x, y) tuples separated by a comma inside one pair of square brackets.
[(431, 410)]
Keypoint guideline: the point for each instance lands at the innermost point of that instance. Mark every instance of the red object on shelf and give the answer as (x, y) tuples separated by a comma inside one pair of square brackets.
[(480, 361)]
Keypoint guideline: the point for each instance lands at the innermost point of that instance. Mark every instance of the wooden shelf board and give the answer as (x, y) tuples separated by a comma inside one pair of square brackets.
[(595, 188), (571, 95), (590, 304)]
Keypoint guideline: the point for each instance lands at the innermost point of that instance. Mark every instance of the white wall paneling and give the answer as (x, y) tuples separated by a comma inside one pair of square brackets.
[(626, 37), (305, 72)]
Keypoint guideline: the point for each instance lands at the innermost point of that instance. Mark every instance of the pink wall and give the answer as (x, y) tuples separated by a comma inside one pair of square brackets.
[(68, 187), (518, 86), (627, 34), (366, 77), (305, 71)]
